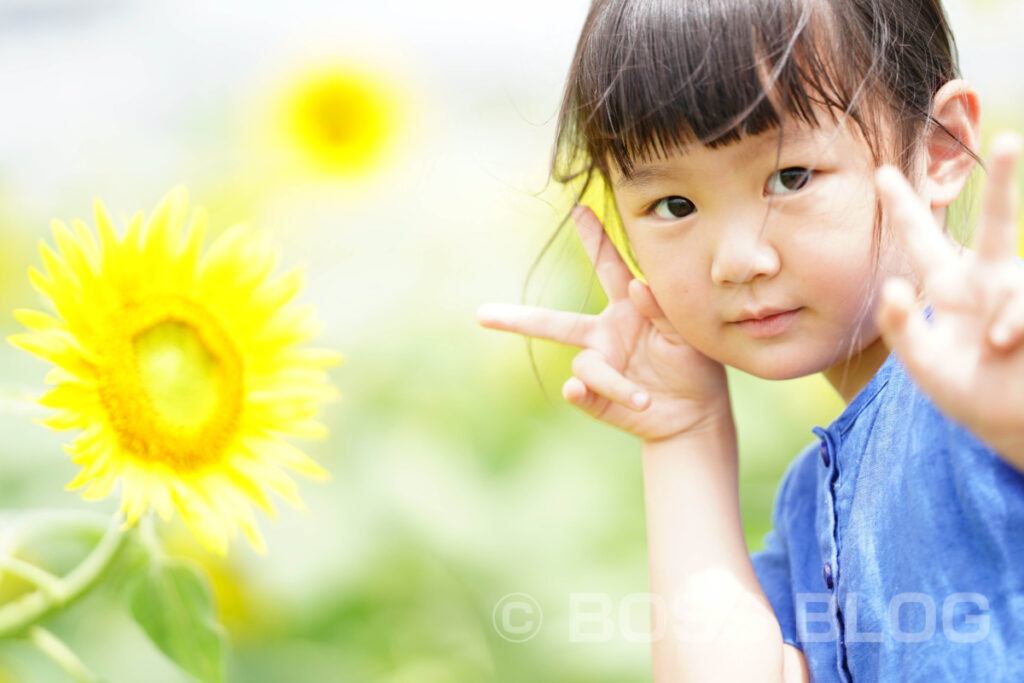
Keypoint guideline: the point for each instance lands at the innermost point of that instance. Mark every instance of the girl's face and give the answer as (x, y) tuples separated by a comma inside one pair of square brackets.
[(717, 260)]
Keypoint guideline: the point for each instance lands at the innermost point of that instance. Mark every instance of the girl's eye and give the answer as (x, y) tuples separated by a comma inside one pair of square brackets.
[(788, 180), (671, 208)]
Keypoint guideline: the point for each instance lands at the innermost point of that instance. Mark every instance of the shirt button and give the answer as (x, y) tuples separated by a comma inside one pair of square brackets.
[(826, 572), (824, 454)]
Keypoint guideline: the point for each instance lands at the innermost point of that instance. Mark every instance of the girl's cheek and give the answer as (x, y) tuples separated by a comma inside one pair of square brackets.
[(663, 247), (685, 307)]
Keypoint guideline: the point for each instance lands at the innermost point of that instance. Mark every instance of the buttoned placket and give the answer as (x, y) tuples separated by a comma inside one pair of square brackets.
[(830, 565)]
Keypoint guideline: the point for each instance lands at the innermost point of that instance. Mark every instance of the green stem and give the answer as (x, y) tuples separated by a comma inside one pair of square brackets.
[(148, 538), (44, 580), (22, 613), (55, 648)]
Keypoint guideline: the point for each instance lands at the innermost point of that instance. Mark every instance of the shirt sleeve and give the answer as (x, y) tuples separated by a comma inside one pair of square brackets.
[(773, 567)]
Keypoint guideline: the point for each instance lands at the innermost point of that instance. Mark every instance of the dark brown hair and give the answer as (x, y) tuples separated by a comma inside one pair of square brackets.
[(650, 75)]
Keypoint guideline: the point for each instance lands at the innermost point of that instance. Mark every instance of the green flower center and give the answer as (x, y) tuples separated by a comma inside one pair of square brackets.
[(178, 373)]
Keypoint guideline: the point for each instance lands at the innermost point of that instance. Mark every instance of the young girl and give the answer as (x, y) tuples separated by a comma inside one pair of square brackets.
[(781, 169)]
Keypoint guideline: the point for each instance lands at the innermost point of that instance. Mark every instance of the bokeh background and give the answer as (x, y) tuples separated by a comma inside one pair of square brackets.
[(398, 152)]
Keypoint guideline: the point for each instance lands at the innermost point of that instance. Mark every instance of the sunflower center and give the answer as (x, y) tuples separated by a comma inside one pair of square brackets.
[(340, 123), (173, 391), (179, 374), (341, 120)]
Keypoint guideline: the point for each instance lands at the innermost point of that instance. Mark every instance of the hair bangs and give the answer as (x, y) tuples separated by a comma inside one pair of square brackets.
[(661, 75)]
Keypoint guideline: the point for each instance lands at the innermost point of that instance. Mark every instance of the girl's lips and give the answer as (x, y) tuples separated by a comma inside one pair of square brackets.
[(771, 326)]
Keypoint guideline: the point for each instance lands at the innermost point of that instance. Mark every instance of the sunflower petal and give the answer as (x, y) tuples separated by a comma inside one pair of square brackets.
[(36, 321)]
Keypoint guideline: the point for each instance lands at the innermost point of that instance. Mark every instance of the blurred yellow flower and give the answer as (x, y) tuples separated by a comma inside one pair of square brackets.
[(183, 368), (341, 119)]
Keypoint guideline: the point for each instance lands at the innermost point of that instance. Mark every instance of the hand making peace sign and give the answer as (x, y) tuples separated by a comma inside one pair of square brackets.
[(969, 359), (635, 372)]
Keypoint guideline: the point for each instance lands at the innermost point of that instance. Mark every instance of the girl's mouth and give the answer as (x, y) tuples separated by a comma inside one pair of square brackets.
[(770, 326)]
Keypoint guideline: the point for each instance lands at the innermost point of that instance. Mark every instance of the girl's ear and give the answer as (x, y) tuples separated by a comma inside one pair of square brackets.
[(957, 107)]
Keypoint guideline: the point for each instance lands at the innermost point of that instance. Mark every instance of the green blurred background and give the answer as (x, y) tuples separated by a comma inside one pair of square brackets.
[(397, 151)]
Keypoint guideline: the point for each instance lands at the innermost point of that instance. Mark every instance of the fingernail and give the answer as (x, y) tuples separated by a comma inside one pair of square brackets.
[(1000, 335), (572, 386), (577, 213), (640, 399), (1010, 141), (886, 175), (899, 292), (486, 312)]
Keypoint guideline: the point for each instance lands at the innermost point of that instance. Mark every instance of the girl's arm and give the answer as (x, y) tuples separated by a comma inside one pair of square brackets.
[(710, 619), (636, 373)]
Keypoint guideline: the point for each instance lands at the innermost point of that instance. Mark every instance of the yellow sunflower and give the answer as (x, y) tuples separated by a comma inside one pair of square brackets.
[(341, 118), (183, 368)]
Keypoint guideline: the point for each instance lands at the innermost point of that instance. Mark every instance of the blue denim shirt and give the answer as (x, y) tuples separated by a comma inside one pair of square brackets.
[(897, 552)]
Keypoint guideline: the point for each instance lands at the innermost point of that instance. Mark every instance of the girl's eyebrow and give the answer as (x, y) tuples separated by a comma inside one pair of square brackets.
[(641, 176), (645, 175)]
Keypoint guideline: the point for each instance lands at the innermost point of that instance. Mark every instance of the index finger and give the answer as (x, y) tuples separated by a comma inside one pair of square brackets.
[(572, 329), (612, 272), (929, 251)]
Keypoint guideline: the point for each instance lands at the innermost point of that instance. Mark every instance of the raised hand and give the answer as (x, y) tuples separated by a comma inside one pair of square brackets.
[(970, 358), (634, 371)]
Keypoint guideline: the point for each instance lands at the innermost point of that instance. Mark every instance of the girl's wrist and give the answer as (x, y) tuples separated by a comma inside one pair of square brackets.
[(714, 414), (715, 433)]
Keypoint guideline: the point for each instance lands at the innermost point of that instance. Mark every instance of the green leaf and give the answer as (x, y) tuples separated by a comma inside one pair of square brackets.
[(171, 601)]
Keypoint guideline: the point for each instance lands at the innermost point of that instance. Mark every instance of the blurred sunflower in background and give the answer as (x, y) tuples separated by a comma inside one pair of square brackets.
[(342, 119), (183, 368)]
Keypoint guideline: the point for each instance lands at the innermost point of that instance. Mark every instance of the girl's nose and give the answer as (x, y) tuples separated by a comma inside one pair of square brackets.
[(739, 258)]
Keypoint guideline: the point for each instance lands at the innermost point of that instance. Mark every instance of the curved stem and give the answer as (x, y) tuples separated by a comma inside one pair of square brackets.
[(55, 648), (148, 538), (27, 571), (28, 609)]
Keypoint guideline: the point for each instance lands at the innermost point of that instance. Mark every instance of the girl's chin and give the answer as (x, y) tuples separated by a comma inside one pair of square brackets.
[(779, 373), (776, 368)]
